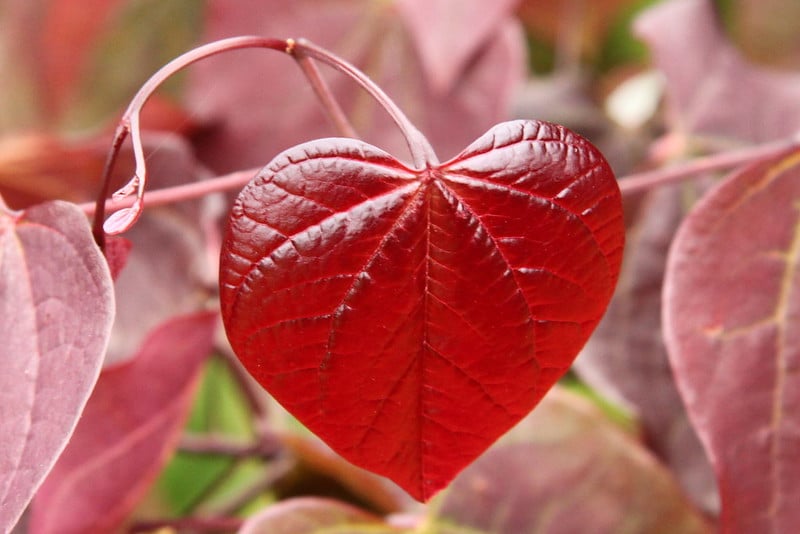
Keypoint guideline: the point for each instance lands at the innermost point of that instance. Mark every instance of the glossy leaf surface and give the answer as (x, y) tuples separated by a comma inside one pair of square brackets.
[(409, 318), (731, 312), (128, 429), (56, 310)]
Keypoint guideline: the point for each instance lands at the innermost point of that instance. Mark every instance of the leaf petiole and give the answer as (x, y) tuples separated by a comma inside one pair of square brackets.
[(422, 153), (303, 51)]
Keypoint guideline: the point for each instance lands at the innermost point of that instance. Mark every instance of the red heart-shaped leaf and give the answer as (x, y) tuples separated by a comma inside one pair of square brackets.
[(410, 317)]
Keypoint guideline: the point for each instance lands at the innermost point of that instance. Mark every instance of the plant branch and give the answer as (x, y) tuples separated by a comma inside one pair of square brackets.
[(218, 445), (253, 393), (179, 193), (325, 96), (193, 524), (422, 152), (303, 51), (635, 183)]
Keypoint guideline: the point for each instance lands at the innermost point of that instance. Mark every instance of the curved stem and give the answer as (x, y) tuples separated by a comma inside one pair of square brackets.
[(129, 124), (422, 152)]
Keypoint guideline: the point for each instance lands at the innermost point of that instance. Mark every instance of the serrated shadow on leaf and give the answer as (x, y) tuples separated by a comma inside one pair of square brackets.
[(396, 311)]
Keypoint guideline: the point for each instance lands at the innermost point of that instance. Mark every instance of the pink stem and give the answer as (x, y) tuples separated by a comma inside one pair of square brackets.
[(422, 152), (323, 92), (179, 193), (638, 182)]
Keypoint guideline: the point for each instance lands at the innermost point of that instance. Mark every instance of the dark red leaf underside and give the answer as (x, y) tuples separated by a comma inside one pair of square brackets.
[(410, 318)]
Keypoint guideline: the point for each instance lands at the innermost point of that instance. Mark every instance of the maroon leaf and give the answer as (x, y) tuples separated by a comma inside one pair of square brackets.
[(129, 427), (566, 468), (56, 310), (703, 70), (255, 118), (407, 317), (626, 360), (731, 326)]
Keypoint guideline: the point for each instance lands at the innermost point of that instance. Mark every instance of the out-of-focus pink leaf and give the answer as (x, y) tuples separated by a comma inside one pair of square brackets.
[(711, 89), (315, 459), (56, 310), (732, 327), (130, 426), (255, 118), (626, 360), (448, 33), (170, 266), (310, 515), (566, 468)]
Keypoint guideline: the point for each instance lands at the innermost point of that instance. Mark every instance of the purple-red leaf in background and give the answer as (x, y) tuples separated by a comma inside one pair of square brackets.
[(732, 327), (567, 468), (56, 310), (703, 69), (254, 118), (130, 426), (626, 360), (409, 318)]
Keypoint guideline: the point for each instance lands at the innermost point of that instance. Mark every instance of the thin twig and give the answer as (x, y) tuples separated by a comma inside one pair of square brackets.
[(123, 219), (635, 183), (179, 193), (100, 204), (329, 103), (422, 152)]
